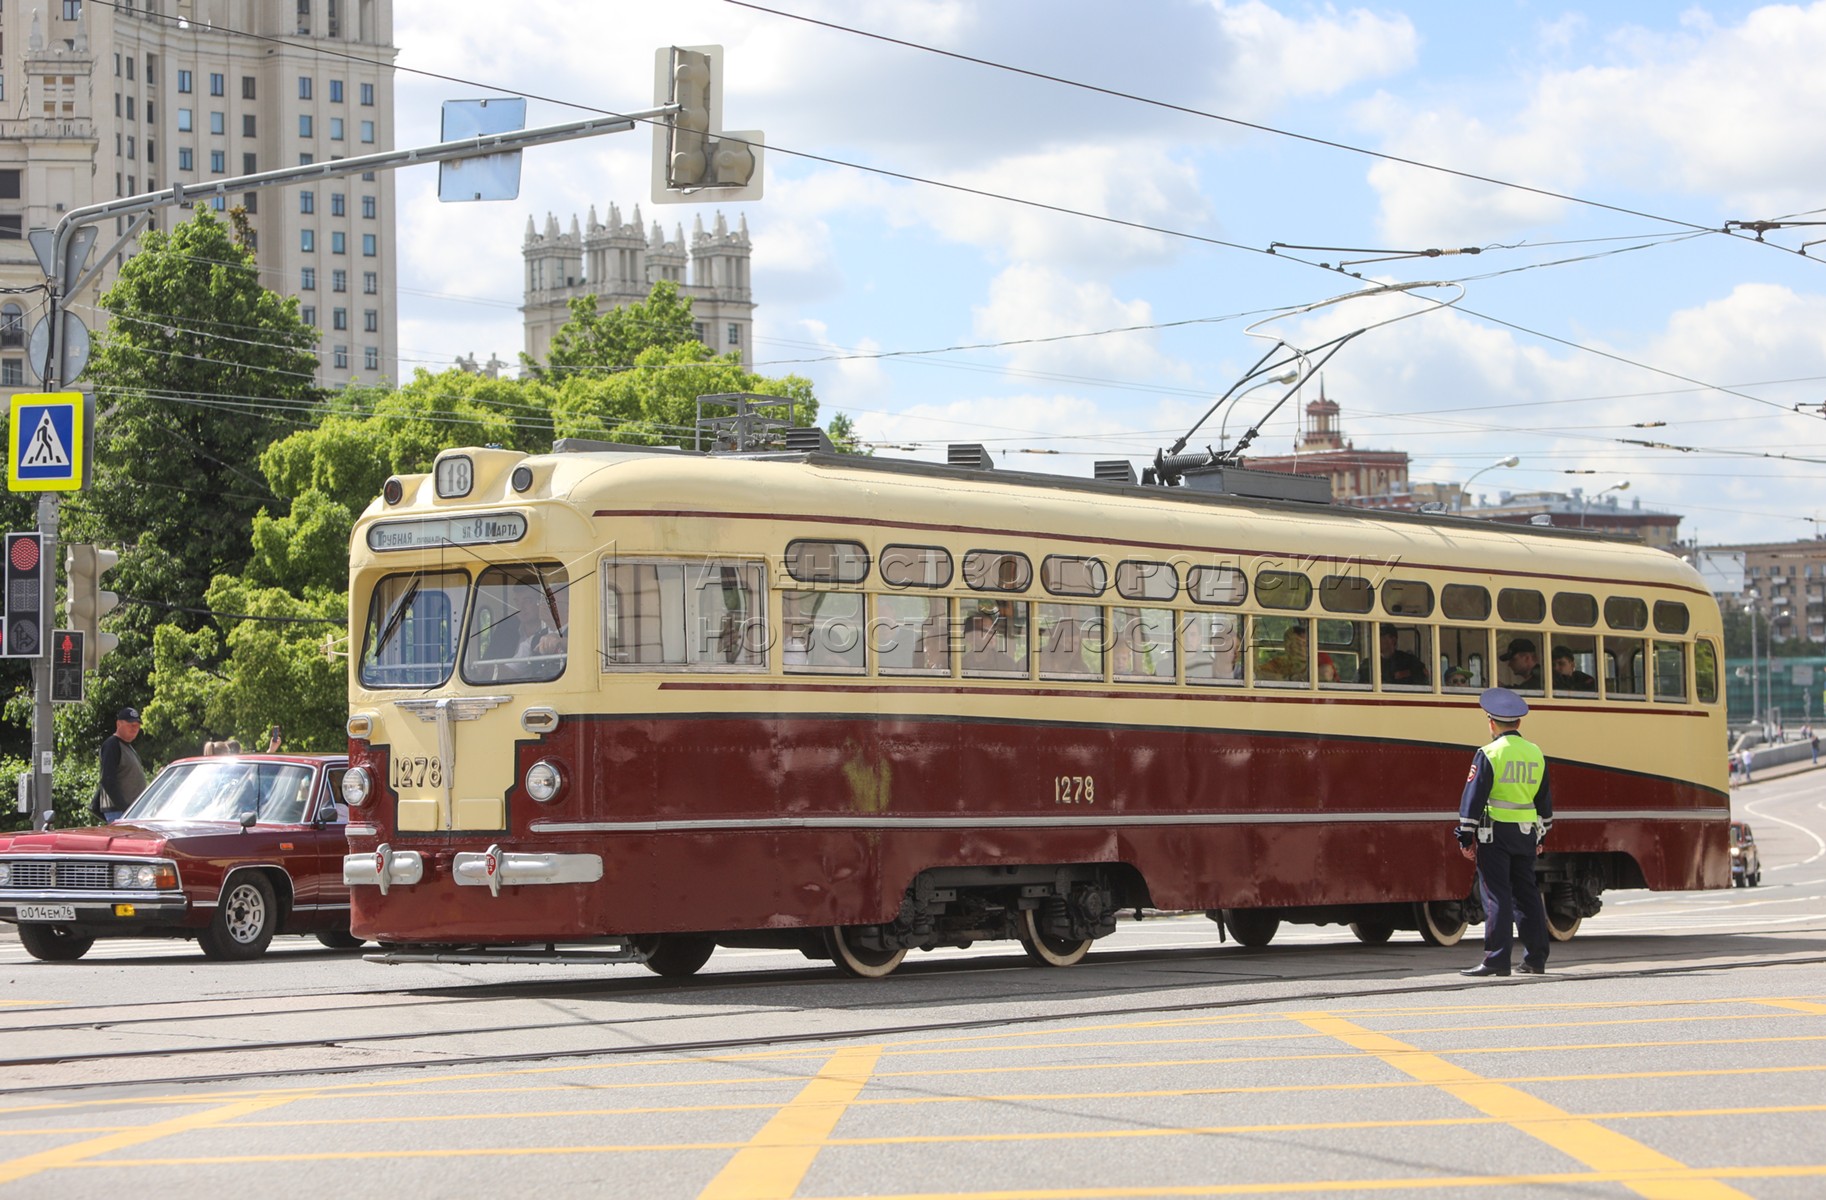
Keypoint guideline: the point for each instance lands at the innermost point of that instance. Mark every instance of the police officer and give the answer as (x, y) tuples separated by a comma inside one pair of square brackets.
[(1503, 817)]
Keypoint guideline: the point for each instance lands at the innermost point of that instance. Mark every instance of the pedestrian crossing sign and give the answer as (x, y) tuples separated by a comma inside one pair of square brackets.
[(48, 439)]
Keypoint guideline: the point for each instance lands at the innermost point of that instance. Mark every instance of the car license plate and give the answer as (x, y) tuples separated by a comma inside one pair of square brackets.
[(47, 912)]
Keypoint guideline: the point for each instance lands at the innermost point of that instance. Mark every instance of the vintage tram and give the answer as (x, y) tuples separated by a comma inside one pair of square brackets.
[(664, 701)]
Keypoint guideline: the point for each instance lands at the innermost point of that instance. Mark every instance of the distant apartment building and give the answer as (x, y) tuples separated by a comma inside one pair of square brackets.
[(99, 101), (619, 262), (1784, 581)]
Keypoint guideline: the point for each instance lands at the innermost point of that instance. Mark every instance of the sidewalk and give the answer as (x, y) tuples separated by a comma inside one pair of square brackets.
[(1780, 770)]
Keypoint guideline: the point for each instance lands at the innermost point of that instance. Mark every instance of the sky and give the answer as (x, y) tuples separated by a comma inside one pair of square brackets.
[(966, 236)]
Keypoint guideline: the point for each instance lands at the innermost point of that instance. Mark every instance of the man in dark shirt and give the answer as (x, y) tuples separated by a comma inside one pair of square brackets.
[(1566, 674), (122, 776), (1398, 666), (1524, 663)]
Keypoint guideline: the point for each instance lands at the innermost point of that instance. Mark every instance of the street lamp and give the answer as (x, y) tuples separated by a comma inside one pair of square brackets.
[(1756, 706), (1292, 376), (1511, 461), (1622, 485)]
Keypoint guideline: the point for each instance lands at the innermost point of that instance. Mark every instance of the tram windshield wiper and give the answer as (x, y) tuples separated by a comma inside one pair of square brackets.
[(398, 614)]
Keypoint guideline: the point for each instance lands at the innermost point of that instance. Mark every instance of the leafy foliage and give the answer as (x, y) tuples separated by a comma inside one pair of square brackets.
[(594, 342)]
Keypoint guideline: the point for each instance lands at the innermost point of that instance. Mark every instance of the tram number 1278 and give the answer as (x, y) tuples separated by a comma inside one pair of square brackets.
[(1074, 789), (415, 773)]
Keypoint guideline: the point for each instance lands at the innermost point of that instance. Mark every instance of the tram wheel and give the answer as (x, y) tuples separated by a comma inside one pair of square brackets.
[(1561, 926), (857, 960), (1372, 933), (247, 916), (341, 939), (1251, 926), (676, 955), (53, 943), (1051, 951), (1442, 922)]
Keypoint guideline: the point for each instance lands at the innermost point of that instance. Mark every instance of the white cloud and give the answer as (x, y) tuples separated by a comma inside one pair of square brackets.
[(1030, 301), (1277, 55)]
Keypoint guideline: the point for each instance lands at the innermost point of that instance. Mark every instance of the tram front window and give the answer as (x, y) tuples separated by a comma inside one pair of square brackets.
[(411, 637), (519, 625)]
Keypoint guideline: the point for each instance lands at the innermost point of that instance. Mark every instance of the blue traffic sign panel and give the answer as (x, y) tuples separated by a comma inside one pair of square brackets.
[(48, 442)]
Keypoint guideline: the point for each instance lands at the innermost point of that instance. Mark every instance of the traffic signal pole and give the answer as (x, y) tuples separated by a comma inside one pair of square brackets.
[(64, 278)]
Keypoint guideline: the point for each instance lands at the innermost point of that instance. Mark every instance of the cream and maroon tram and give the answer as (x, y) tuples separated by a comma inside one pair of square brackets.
[(666, 701)]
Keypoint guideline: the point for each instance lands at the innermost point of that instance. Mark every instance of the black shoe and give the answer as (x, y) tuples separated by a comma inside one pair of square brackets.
[(1527, 969), (1483, 971)]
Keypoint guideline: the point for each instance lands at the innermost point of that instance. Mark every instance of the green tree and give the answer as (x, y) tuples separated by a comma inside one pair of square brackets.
[(655, 403), (599, 342)]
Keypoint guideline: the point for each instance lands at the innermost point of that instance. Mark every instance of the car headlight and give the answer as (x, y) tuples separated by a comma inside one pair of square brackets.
[(145, 875), (544, 781), (357, 786), (6, 874), (1736, 851)]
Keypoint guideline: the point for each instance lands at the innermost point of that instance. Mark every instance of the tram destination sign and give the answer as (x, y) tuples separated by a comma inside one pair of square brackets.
[(431, 532)]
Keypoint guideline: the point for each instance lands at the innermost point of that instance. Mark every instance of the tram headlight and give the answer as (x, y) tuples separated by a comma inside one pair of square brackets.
[(544, 781), (356, 786)]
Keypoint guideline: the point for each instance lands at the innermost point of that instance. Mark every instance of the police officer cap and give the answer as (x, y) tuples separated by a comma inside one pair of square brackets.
[(1503, 704)]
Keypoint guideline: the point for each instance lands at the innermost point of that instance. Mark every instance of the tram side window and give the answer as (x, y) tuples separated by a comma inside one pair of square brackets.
[(1343, 652), (1464, 655), (1402, 653), (1574, 662), (1671, 616), (1064, 575), (909, 635), (1213, 644), (679, 614), (1282, 650), (997, 571), (1465, 602), (1522, 605), (1142, 644), (1625, 612), (1407, 598), (823, 632), (1137, 580), (994, 639), (1283, 589), (915, 566), (1623, 668), (1670, 671), (412, 626), (1346, 594), (1071, 641), (1217, 585), (811, 561), (1705, 672), (1575, 608), (519, 626), (1520, 655)]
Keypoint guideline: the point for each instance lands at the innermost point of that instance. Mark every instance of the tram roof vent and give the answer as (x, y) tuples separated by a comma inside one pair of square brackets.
[(1263, 485), (571, 445), (808, 439), (973, 457), (1115, 470)]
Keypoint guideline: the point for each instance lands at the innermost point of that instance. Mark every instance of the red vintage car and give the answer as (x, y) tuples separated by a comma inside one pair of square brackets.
[(227, 850)]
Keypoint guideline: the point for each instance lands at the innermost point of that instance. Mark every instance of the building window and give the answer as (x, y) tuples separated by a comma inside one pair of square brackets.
[(12, 372), (336, 129), (249, 164), (339, 204), (307, 279), (247, 87), (186, 120), (367, 94), (12, 326), (247, 125), (339, 281), (151, 151), (130, 68), (334, 18), (370, 357), (304, 87), (304, 125), (370, 245), (369, 206), (342, 358), (304, 19), (151, 115), (72, 11), (735, 335), (129, 145), (367, 131), (308, 314), (9, 185), (339, 242), (218, 84), (367, 177), (370, 282), (305, 160), (218, 122), (117, 104), (339, 318), (335, 91), (12, 227), (250, 201), (186, 159), (152, 72), (307, 240), (307, 202), (219, 203), (218, 161), (184, 81), (370, 320)]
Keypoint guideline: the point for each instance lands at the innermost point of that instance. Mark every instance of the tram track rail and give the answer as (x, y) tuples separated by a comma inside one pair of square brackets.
[(782, 1038)]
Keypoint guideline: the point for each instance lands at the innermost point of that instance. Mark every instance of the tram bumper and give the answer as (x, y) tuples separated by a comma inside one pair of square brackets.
[(383, 868), (495, 868)]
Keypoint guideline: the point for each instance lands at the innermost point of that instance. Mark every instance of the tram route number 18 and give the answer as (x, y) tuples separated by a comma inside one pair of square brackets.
[(415, 773), (1074, 789)]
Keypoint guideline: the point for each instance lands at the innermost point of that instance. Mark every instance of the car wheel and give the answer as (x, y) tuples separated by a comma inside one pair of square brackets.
[(246, 917), (337, 939), (54, 943)]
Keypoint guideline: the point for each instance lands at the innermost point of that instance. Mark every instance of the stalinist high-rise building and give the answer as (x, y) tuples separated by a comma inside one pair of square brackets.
[(619, 262), (99, 101)]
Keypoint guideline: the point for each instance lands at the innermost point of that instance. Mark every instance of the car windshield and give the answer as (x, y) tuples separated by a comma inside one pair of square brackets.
[(222, 789)]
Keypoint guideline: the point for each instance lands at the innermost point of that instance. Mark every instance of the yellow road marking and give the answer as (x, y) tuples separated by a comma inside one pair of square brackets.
[(1599, 1148), (75, 1154), (1803, 1006), (773, 1162)]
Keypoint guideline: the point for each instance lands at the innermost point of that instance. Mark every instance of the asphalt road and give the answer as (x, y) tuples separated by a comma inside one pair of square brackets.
[(1676, 1049)]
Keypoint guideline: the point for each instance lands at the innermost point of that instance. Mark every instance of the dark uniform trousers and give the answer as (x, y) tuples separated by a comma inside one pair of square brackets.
[(1505, 873)]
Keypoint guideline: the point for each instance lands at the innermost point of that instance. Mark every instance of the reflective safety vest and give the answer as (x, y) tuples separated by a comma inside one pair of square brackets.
[(1519, 767)]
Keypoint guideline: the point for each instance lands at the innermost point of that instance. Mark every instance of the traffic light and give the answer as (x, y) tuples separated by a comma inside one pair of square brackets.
[(692, 153), (25, 623), (86, 603)]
